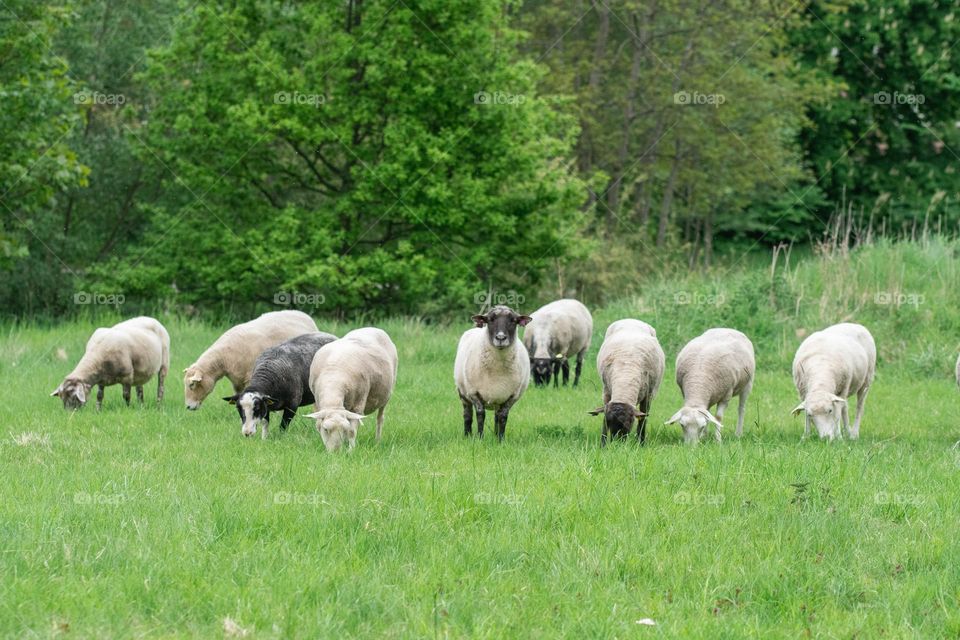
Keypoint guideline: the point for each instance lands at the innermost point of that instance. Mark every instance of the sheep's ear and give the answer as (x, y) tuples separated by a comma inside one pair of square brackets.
[(314, 415), (81, 394), (597, 411), (197, 377), (710, 418), (837, 398), (353, 416), (674, 418), (56, 392), (480, 321), (232, 399), (798, 409), (524, 320), (639, 414), (272, 403)]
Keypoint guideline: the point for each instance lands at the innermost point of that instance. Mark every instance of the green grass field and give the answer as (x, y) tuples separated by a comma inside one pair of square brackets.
[(165, 523)]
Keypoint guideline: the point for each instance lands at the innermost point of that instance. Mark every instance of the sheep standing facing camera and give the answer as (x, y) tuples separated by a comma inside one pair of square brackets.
[(128, 353), (630, 363), (711, 369), (830, 366), (492, 368)]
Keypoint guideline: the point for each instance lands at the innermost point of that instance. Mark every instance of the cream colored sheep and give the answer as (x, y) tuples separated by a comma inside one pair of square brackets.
[(830, 366), (128, 353), (630, 364), (235, 352), (492, 368), (711, 369), (558, 330), (350, 378)]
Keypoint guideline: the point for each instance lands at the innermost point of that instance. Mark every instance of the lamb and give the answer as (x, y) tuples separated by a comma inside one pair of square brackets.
[(630, 364), (350, 378), (711, 369), (830, 366), (128, 353), (559, 329), (235, 352), (492, 368), (280, 382)]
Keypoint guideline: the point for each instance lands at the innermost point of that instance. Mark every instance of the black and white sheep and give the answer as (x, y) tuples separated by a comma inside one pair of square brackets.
[(492, 368), (280, 382), (558, 330), (128, 353)]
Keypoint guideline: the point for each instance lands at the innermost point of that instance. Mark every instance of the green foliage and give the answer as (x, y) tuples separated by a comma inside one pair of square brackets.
[(349, 158), (36, 164), (885, 137)]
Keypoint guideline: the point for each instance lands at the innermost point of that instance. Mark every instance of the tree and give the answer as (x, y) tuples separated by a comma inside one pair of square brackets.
[(36, 163), (375, 155)]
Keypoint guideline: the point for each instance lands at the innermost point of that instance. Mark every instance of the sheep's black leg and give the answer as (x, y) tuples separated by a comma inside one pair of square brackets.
[(160, 386), (467, 417), (501, 418), (99, 396), (566, 371), (140, 394), (126, 394), (481, 414), (556, 373), (642, 421), (288, 415), (576, 373)]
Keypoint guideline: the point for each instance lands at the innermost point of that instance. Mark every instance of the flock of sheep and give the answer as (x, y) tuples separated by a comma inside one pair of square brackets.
[(280, 362)]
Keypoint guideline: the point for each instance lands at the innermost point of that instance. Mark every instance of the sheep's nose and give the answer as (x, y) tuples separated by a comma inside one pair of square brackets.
[(501, 335)]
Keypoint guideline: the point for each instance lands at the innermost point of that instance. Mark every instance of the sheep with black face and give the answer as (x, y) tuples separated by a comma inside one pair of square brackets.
[(631, 364), (492, 368), (280, 382), (560, 329)]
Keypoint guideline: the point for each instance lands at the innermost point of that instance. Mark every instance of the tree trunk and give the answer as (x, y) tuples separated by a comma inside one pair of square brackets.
[(667, 202)]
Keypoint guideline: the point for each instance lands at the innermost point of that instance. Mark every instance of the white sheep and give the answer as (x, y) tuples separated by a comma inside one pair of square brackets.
[(830, 366), (558, 330), (711, 369), (492, 368), (235, 352), (350, 378), (128, 353), (630, 364)]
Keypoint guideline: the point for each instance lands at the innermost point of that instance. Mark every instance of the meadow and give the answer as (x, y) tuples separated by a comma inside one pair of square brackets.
[(147, 522)]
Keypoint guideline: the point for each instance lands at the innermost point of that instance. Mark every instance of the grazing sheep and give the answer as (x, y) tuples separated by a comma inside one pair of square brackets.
[(711, 369), (280, 382), (128, 353), (235, 352), (492, 368), (558, 330), (830, 366), (630, 363), (350, 378)]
